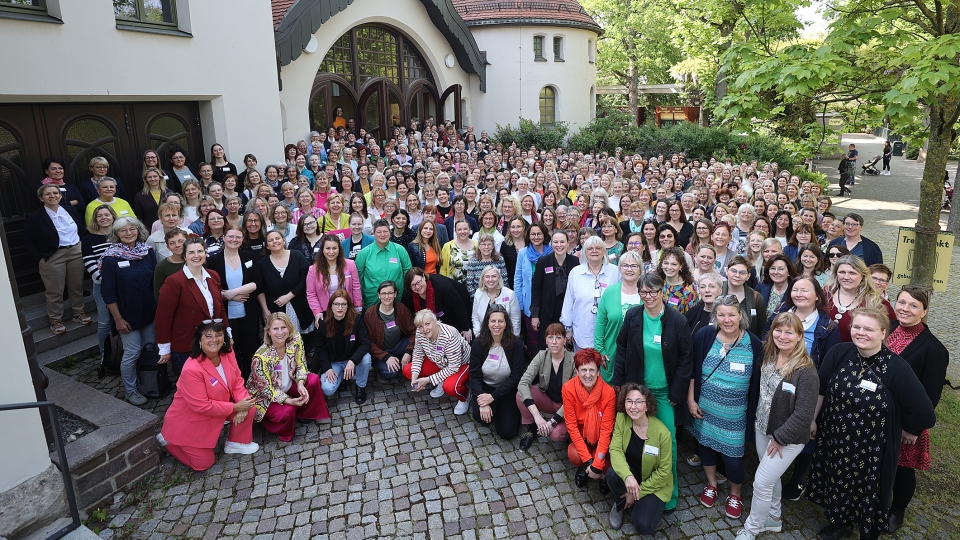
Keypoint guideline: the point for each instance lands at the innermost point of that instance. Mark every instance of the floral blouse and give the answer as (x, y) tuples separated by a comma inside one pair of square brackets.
[(458, 263), (265, 376)]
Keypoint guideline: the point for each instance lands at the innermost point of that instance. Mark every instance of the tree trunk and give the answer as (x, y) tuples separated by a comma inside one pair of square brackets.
[(633, 90), (942, 134)]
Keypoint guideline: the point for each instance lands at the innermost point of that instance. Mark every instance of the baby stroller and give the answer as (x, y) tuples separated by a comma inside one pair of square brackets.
[(871, 168)]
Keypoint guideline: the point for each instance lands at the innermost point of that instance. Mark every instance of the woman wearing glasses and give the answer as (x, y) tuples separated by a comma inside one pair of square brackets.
[(858, 244), (754, 306), (653, 348), (722, 396), (585, 286)]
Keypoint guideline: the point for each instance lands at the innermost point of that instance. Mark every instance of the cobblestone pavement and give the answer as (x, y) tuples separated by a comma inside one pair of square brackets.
[(403, 466)]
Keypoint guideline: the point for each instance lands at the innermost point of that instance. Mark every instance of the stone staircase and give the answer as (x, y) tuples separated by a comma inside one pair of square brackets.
[(76, 341)]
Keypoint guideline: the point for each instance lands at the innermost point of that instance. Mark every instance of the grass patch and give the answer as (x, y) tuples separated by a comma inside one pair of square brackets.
[(938, 485)]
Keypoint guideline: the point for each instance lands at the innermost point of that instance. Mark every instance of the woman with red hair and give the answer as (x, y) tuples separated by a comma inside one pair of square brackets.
[(590, 408)]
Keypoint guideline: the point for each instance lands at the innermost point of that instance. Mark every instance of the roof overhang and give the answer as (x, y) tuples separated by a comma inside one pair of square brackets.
[(524, 21), (306, 16)]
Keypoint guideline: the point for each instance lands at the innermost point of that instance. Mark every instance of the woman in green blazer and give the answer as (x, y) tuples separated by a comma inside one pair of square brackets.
[(641, 461), (614, 303)]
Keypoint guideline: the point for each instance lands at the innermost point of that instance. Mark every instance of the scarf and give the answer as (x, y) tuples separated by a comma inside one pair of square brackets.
[(902, 337), (431, 299), (533, 255), (589, 402), (120, 251), (49, 180)]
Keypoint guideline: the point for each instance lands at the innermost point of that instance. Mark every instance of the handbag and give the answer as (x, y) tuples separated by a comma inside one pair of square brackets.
[(153, 379), (112, 355)]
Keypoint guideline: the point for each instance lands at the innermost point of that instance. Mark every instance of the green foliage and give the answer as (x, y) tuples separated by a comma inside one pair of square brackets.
[(613, 131), (912, 151), (527, 134)]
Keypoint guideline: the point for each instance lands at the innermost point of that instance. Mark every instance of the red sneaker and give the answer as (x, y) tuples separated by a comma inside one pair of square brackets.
[(708, 496), (734, 507)]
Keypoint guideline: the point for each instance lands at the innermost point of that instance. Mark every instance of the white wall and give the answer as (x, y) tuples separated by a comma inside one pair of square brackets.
[(514, 79), (22, 445), (408, 16), (229, 65)]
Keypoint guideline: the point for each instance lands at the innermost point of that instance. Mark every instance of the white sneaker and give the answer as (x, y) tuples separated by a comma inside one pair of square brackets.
[(437, 391), (461, 407), (773, 525), (161, 441), (743, 534), (237, 448)]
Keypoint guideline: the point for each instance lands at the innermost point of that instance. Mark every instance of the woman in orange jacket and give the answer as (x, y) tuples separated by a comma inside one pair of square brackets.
[(589, 405)]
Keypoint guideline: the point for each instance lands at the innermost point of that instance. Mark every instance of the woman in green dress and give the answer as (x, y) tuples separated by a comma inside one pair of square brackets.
[(616, 300)]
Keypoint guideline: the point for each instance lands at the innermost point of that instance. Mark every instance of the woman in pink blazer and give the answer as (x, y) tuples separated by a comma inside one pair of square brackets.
[(332, 270), (210, 391)]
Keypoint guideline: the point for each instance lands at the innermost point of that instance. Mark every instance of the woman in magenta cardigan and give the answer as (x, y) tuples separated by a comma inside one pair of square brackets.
[(210, 391), (187, 298), (331, 271)]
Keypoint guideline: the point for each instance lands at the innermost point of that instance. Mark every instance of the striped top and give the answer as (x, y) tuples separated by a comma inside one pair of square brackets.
[(92, 247), (449, 352), (723, 398)]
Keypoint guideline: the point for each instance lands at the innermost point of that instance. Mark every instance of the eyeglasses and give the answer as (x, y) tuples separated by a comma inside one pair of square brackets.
[(387, 293), (737, 272), (879, 280), (649, 294), (634, 402), (629, 266), (833, 254), (211, 321), (848, 224), (340, 304)]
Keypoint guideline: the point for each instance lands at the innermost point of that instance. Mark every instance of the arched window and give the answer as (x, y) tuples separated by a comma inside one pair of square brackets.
[(548, 105)]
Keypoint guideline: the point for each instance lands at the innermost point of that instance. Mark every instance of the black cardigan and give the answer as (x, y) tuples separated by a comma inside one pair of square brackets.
[(702, 342), (676, 344), (755, 306), (294, 280), (251, 274), (544, 303), (910, 409), (453, 303), (929, 359), (518, 364), (342, 346), (40, 237)]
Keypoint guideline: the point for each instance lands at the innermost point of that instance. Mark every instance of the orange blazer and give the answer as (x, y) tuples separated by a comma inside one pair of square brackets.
[(182, 308), (203, 401)]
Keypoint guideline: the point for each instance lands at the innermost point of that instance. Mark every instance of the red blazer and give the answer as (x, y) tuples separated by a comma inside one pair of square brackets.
[(182, 309), (202, 402)]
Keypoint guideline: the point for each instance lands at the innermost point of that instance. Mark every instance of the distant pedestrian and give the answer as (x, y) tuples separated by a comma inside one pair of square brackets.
[(887, 154), (844, 170), (852, 156)]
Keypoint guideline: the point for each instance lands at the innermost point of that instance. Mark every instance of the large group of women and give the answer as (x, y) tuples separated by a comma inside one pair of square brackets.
[(613, 303)]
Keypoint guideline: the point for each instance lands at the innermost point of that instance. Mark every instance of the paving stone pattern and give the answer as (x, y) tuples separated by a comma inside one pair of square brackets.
[(404, 466)]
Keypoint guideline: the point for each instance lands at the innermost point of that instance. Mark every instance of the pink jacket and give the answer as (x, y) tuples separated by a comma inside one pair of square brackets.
[(318, 296), (202, 402)]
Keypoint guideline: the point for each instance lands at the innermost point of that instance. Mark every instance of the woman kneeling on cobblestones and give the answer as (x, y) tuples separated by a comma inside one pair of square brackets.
[(442, 357), (279, 381), (209, 391), (590, 410)]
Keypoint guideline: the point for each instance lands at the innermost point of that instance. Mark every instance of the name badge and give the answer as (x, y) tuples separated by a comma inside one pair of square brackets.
[(753, 313), (391, 324), (124, 212), (548, 270), (165, 177), (225, 169), (439, 349), (495, 357), (248, 264), (123, 264), (603, 285), (612, 256), (345, 276), (505, 299), (63, 189), (738, 367), (789, 388), (651, 450), (278, 367), (597, 293), (657, 339), (674, 301), (213, 381), (868, 385), (393, 260), (439, 314), (353, 337), (187, 177)]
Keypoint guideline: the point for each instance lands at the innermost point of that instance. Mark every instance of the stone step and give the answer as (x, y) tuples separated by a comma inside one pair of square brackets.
[(81, 533), (44, 340), (36, 314), (85, 346)]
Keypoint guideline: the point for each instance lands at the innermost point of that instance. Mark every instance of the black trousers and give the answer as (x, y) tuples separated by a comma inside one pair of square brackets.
[(647, 512), (247, 338), (506, 415)]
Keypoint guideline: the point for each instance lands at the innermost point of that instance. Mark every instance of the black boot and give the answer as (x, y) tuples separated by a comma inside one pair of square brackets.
[(527, 441), (835, 531), (893, 523), (604, 487), (361, 395)]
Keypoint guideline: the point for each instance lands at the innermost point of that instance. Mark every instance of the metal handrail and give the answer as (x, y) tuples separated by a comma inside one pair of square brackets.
[(64, 467)]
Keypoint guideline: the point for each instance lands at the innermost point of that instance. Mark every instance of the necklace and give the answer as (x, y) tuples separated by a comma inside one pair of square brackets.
[(841, 309)]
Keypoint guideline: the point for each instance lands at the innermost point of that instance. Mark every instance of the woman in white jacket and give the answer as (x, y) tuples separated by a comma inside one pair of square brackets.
[(491, 290)]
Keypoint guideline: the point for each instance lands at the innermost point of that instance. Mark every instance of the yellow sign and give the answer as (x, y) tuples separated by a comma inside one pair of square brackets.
[(903, 265)]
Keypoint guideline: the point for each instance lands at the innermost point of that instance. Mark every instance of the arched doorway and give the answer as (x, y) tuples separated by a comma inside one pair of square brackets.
[(376, 74)]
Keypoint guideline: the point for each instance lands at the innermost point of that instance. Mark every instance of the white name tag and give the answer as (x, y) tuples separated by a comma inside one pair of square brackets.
[(651, 450), (868, 385), (753, 313), (657, 339), (789, 388), (738, 367), (123, 264), (248, 264)]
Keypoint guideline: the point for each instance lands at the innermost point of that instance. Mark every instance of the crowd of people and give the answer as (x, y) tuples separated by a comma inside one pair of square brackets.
[(613, 303)]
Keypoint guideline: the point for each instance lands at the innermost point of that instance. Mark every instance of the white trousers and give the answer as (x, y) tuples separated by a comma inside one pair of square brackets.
[(766, 483)]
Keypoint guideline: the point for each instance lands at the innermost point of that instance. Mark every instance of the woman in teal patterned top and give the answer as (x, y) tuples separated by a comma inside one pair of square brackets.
[(722, 397)]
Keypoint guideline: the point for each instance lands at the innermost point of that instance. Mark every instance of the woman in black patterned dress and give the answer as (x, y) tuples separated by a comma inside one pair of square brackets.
[(869, 396)]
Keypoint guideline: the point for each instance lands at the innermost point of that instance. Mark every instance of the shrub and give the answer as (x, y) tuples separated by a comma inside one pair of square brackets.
[(912, 151), (528, 134)]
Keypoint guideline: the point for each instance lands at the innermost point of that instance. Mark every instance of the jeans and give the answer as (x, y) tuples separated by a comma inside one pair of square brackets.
[(398, 350), (646, 512), (766, 483), (103, 317), (132, 345), (361, 372), (709, 457)]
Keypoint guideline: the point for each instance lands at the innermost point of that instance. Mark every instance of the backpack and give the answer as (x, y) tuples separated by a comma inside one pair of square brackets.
[(112, 355), (153, 380)]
